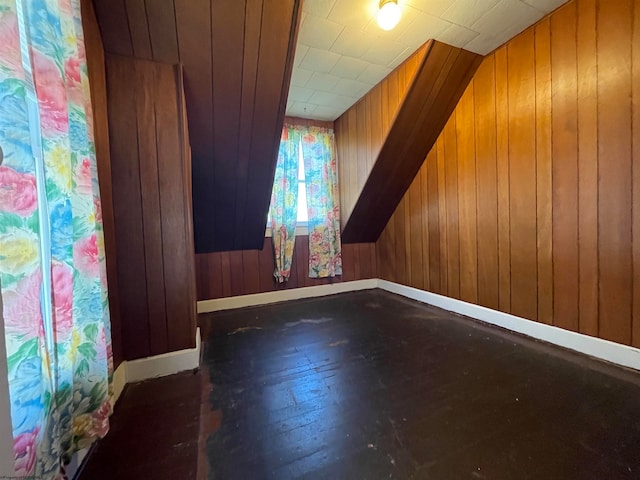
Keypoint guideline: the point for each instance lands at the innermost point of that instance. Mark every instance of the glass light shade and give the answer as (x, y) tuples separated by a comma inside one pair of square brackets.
[(388, 15)]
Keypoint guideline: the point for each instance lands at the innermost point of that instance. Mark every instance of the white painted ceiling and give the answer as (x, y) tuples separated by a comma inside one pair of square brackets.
[(342, 53)]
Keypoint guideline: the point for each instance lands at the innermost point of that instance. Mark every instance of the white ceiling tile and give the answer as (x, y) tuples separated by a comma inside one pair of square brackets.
[(348, 67), (351, 88), (482, 44), (318, 32), (353, 43), (373, 74), (301, 51), (423, 28), (322, 81), (457, 36), (349, 53), (319, 60), (301, 109), (507, 19), (545, 6), (467, 12), (300, 77), (320, 8), (354, 13), (381, 53), (327, 113), (400, 58), (323, 98), (432, 7), (299, 94), (407, 17)]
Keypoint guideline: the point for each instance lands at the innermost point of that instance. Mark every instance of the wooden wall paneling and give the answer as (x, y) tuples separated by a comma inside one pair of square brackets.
[(250, 271), (228, 17), (139, 29), (376, 126), (161, 20), (225, 267), (193, 23), (253, 20), (614, 152), (522, 176), (544, 171), (484, 92), (400, 245), (442, 213), (423, 204), (365, 262), (467, 197), (302, 260), (415, 233), (352, 165), (565, 167), (127, 207), (635, 81), (145, 83), (237, 273), (173, 195), (368, 134), (114, 26), (361, 134), (407, 237), (267, 282), (587, 167), (275, 61), (432, 229), (215, 269), (451, 224), (502, 166), (98, 83)]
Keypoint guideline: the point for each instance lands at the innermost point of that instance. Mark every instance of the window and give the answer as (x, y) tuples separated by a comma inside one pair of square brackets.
[(301, 226)]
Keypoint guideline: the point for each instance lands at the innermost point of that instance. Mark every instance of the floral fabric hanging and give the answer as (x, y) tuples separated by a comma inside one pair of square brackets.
[(284, 203), (52, 263), (321, 178)]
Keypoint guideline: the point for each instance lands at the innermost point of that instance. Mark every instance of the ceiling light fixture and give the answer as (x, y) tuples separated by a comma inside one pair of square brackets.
[(388, 14)]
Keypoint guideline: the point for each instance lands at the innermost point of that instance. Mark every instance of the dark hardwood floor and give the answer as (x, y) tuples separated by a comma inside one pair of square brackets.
[(371, 385)]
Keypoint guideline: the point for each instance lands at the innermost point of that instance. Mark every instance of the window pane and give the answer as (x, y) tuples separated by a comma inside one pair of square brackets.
[(302, 202)]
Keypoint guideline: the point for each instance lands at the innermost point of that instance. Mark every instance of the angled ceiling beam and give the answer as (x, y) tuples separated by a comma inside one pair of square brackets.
[(440, 80)]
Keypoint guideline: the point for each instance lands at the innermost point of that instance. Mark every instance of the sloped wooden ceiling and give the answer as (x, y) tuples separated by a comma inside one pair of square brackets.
[(237, 57), (432, 92)]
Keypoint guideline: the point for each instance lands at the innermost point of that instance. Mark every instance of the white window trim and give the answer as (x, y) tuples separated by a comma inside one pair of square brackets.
[(301, 230)]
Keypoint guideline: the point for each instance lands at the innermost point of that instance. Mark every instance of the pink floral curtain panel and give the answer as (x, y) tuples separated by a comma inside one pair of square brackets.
[(284, 203), (321, 178), (52, 265), (316, 148)]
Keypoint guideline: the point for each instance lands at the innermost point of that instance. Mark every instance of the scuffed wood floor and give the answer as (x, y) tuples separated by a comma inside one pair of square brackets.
[(371, 385)]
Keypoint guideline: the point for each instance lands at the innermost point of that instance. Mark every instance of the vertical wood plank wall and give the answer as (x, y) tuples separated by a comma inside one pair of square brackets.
[(151, 192), (366, 125), (530, 201), (98, 83), (242, 272)]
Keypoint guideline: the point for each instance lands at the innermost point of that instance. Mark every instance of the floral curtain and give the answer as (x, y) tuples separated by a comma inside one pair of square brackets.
[(284, 203), (52, 265), (321, 178)]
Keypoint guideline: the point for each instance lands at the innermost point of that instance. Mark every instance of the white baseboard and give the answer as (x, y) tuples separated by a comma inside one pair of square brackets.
[(118, 381), (156, 366), (229, 303), (612, 352), (165, 364)]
